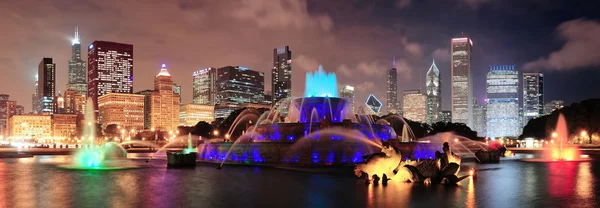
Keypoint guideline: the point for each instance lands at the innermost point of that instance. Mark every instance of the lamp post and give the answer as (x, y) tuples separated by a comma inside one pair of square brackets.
[(584, 134)]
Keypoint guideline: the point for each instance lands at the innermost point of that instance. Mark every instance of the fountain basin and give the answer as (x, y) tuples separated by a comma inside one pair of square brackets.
[(181, 159)]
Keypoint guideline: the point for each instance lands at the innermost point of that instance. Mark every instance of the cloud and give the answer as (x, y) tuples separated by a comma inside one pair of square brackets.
[(280, 13), (474, 4), (581, 48), (413, 48), (441, 54), (367, 87), (189, 34), (403, 3), (305, 63)]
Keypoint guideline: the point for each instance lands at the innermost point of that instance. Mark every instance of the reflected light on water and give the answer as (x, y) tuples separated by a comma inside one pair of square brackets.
[(471, 194), (561, 178), (584, 189)]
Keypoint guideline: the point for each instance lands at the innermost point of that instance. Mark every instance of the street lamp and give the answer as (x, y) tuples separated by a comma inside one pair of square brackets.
[(584, 134), (216, 133)]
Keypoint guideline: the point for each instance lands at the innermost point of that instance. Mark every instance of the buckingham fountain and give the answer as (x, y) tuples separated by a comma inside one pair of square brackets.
[(318, 129)]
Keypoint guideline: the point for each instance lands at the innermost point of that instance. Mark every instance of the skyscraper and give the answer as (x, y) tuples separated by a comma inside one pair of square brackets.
[(479, 119), (239, 85), (8, 108), (392, 88), (502, 102), (552, 106), (414, 106), (462, 83), (77, 76), (177, 89), (433, 84), (164, 104), (533, 95), (281, 75), (46, 86), (110, 69), (34, 97), (347, 92), (203, 84), (446, 116)]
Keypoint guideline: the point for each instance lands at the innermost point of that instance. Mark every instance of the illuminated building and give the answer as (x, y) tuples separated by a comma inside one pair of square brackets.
[(147, 107), (8, 108), (281, 74), (446, 117), (533, 95), (164, 103), (191, 114), (74, 103), (462, 83), (64, 125), (502, 102), (110, 69), (347, 92), (46, 90), (239, 85), (479, 119), (374, 104), (126, 110), (34, 97), (59, 106), (552, 106), (30, 126), (77, 74), (203, 86), (392, 88), (20, 110), (414, 106), (433, 86), (177, 90), (224, 109)]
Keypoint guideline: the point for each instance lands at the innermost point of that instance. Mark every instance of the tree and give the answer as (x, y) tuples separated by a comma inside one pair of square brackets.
[(203, 129), (460, 129), (582, 116), (112, 130)]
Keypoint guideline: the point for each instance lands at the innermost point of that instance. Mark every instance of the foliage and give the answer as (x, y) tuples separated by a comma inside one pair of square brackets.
[(202, 129), (582, 116), (460, 129)]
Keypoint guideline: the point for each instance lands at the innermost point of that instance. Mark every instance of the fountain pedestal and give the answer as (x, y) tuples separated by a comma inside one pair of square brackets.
[(180, 159)]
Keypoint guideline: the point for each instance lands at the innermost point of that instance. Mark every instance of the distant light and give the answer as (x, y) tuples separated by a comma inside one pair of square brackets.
[(164, 66), (91, 46)]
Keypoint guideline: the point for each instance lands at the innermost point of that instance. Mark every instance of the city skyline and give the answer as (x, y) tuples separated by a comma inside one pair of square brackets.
[(325, 26)]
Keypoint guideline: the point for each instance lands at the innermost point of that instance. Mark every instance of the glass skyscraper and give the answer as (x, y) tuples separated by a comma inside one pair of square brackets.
[(533, 95), (203, 82), (392, 88), (434, 94), (462, 83), (502, 102), (77, 74), (46, 86), (281, 74), (347, 92)]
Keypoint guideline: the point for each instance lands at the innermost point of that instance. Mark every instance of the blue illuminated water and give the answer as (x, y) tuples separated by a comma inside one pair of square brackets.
[(320, 84)]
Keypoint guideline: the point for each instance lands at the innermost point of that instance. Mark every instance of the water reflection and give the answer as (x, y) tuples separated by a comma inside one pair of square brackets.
[(471, 194), (585, 181), (30, 182)]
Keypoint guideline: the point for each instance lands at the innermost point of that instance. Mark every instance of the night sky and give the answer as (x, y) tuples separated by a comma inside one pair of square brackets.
[(354, 38)]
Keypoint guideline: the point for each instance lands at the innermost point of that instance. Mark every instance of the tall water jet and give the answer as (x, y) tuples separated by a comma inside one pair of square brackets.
[(560, 150), (92, 155), (320, 84)]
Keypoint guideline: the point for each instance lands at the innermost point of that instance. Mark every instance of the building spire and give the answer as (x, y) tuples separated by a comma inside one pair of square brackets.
[(394, 62), (76, 37)]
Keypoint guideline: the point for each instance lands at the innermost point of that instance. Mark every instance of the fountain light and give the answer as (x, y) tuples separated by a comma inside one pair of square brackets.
[(583, 133), (226, 136), (456, 140), (554, 134)]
